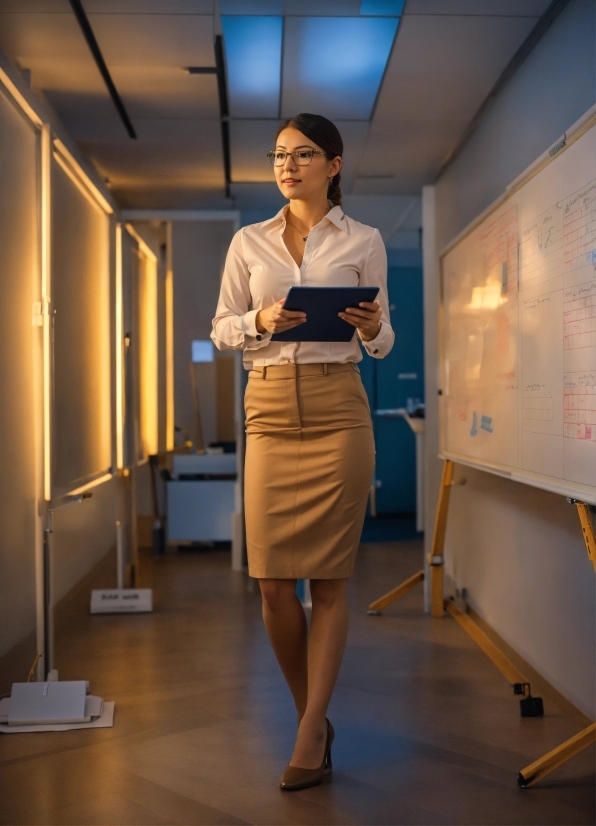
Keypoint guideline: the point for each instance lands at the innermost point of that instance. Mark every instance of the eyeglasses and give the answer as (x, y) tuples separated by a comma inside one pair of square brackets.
[(301, 157)]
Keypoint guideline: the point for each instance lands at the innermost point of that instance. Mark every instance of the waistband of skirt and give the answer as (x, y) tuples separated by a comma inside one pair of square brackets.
[(292, 371)]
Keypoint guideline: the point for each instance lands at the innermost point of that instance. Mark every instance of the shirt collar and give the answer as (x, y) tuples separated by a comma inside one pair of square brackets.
[(335, 215)]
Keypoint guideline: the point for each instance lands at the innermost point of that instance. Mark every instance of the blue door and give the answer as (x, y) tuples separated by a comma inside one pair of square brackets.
[(390, 382)]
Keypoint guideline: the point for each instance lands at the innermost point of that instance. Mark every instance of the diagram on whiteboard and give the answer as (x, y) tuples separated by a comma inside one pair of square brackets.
[(519, 328)]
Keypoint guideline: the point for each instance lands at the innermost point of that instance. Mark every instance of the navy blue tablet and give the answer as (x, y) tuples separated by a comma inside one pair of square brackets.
[(322, 305)]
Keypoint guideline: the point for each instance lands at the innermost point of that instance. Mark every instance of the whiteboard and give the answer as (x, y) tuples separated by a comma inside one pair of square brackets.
[(81, 415), (518, 328), (20, 375)]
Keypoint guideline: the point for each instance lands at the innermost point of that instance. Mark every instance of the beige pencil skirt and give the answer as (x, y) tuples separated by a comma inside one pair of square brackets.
[(309, 466)]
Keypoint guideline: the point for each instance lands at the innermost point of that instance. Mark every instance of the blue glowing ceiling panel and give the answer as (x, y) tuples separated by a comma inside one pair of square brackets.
[(391, 8), (253, 59), (334, 65)]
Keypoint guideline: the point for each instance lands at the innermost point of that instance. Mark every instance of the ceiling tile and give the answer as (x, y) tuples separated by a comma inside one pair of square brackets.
[(425, 105), (35, 6), (162, 91), (250, 140), (385, 212), (265, 196), (354, 135), (171, 196), (186, 129), (52, 47), (54, 40), (154, 39), (499, 8), (187, 162), (87, 116), (149, 6)]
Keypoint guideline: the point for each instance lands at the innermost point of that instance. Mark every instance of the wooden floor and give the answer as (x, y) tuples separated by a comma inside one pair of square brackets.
[(427, 731)]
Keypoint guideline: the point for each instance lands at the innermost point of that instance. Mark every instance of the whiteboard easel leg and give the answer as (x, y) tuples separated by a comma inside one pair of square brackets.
[(561, 754), (435, 558)]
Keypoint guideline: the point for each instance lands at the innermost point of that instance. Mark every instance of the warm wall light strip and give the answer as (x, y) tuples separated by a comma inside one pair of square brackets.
[(148, 336), (93, 484), (77, 182), (20, 99), (119, 353), (149, 358), (46, 172), (143, 246), (84, 178), (169, 300)]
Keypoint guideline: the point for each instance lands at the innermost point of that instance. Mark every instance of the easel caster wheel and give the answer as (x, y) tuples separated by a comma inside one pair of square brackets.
[(373, 613)]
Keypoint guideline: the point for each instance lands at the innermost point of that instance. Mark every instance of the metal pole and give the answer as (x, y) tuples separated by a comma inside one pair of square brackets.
[(119, 554), (48, 625)]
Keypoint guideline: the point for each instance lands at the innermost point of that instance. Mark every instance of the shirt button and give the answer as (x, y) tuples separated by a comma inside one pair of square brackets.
[(375, 351), (259, 338)]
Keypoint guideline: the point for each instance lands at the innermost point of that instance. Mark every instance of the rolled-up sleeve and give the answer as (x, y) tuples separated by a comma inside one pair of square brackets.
[(234, 325), (374, 274)]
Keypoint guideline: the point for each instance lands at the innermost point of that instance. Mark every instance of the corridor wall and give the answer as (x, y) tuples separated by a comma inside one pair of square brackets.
[(199, 249), (81, 396), (517, 550)]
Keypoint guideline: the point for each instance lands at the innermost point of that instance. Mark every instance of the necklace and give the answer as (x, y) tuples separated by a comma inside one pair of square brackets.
[(292, 224)]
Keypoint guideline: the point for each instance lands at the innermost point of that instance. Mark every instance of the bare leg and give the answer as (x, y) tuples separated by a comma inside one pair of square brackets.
[(286, 626), (326, 644)]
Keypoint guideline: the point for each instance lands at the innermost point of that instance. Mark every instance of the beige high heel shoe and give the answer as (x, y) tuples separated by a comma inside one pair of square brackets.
[(295, 778)]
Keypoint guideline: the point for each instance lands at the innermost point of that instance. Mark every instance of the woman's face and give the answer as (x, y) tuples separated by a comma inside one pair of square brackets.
[(305, 183)]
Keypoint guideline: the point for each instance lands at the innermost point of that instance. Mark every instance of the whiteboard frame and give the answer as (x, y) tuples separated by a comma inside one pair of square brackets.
[(575, 490), (58, 152)]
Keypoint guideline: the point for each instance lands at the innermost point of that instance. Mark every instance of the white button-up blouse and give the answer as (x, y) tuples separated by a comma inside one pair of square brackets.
[(259, 271)]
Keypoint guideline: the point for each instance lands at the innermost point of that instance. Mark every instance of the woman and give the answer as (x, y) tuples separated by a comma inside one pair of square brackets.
[(309, 448)]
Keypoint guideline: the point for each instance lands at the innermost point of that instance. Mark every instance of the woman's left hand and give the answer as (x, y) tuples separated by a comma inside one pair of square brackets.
[(366, 318)]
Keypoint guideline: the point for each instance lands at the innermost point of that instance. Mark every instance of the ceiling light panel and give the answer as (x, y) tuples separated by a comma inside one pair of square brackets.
[(388, 8), (295, 8), (260, 7), (314, 8), (253, 61), (322, 8), (334, 65)]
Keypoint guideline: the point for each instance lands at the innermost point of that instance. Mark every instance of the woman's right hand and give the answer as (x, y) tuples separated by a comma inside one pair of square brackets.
[(275, 319)]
